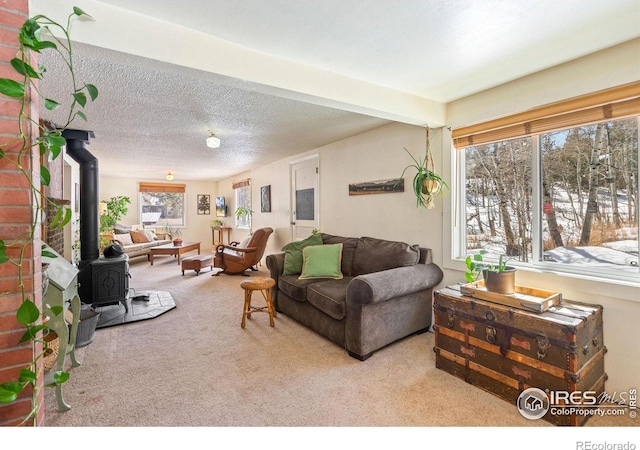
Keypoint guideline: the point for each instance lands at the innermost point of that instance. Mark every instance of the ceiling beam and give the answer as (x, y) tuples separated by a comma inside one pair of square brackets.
[(143, 36)]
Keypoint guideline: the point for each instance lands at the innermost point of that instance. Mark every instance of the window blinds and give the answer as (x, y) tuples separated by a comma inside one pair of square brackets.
[(615, 103)]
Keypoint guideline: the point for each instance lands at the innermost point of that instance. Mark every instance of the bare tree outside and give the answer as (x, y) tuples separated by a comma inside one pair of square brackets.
[(588, 196)]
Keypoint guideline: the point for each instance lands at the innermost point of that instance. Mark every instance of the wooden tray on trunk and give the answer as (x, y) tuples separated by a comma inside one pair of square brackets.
[(527, 298)]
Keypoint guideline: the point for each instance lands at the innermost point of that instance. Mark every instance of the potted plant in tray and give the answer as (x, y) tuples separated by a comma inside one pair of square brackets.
[(426, 182), (498, 278)]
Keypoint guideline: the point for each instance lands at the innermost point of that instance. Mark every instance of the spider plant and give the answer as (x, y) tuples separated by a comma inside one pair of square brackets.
[(426, 182)]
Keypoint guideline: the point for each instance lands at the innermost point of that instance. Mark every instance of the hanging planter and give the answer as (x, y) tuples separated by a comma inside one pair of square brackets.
[(426, 182)]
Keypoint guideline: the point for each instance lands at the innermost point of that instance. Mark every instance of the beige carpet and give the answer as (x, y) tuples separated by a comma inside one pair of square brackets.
[(195, 366)]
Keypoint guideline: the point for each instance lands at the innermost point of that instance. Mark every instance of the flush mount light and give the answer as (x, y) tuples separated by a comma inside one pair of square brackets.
[(213, 141), (169, 176)]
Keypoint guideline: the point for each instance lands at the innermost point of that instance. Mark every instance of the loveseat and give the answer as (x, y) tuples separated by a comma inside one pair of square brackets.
[(136, 240), (382, 293)]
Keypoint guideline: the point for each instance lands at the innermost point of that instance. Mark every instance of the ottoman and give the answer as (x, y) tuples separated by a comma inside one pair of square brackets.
[(197, 262)]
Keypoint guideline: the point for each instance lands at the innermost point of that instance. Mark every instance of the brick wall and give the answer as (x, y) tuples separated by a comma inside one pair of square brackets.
[(16, 212)]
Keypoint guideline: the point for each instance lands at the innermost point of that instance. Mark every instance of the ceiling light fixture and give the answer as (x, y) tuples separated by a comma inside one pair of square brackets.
[(169, 176), (213, 141)]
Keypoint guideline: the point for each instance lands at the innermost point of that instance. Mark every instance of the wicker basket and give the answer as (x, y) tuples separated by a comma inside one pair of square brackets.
[(51, 350)]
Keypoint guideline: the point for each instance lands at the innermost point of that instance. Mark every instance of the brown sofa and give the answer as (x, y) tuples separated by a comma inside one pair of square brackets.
[(136, 240), (385, 293)]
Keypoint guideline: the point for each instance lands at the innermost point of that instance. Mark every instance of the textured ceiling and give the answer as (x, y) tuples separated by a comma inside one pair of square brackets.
[(149, 121), (153, 117)]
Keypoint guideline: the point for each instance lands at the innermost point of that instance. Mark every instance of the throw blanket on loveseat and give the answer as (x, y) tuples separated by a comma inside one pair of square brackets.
[(381, 292)]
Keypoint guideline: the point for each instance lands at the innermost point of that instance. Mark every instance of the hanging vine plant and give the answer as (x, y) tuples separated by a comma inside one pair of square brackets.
[(36, 35), (426, 182)]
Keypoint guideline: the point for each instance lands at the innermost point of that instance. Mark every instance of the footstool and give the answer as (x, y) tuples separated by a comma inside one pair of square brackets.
[(264, 285), (197, 262)]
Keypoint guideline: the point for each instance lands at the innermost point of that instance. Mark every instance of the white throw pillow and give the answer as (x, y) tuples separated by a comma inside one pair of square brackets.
[(124, 239)]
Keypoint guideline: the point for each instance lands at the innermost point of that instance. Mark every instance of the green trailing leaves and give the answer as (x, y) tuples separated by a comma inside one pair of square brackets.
[(27, 376), (30, 38), (27, 313), (45, 176), (11, 88), (9, 391), (3, 252), (62, 217), (55, 144), (78, 12), (92, 90), (23, 68), (60, 376), (50, 104), (32, 332), (80, 98)]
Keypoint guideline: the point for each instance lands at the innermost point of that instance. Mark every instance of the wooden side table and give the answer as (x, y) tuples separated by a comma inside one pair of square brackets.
[(221, 231)]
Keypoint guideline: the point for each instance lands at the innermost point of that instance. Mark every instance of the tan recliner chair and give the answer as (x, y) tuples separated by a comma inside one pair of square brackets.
[(236, 260)]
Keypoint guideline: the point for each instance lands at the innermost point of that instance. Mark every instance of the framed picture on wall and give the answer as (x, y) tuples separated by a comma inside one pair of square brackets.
[(204, 204), (221, 208), (265, 198)]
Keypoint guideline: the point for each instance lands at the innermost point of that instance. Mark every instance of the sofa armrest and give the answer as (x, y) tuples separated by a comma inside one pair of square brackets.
[(275, 264), (381, 286)]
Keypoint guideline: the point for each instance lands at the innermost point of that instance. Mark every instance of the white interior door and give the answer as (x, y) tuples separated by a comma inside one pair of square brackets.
[(304, 198)]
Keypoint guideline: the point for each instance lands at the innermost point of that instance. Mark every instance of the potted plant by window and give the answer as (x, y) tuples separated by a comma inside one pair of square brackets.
[(243, 211), (426, 182), (498, 278)]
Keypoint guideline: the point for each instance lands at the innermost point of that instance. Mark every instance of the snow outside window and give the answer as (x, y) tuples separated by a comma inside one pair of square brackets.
[(565, 200)]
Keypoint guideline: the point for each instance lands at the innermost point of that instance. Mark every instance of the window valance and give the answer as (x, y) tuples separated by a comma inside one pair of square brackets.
[(162, 187), (242, 183), (614, 103)]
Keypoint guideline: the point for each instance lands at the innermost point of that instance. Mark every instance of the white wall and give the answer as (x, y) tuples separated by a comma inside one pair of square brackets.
[(198, 227), (376, 155)]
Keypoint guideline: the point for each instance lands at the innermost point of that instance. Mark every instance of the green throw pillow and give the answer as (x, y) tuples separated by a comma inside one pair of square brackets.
[(293, 254), (321, 261)]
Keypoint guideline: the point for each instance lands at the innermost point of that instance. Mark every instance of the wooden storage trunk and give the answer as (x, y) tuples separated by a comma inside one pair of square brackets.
[(505, 350)]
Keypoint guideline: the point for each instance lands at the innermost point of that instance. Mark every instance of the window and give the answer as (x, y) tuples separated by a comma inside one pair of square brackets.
[(243, 203), (162, 204), (564, 199)]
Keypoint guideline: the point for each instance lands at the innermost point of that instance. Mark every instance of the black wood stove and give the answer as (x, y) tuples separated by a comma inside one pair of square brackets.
[(102, 281)]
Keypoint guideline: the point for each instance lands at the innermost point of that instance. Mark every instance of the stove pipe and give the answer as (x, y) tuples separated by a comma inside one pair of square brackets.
[(77, 141)]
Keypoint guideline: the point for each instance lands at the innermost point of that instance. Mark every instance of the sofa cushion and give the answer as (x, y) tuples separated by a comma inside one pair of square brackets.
[(124, 239), (293, 254), (349, 245), (321, 261), (139, 237), (295, 288), (375, 255), (330, 297)]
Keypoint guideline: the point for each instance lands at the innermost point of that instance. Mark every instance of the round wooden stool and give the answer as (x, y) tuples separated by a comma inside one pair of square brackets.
[(264, 285)]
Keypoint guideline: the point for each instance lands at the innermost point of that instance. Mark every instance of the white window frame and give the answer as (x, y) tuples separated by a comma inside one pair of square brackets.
[(457, 215), (163, 221), (241, 194)]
